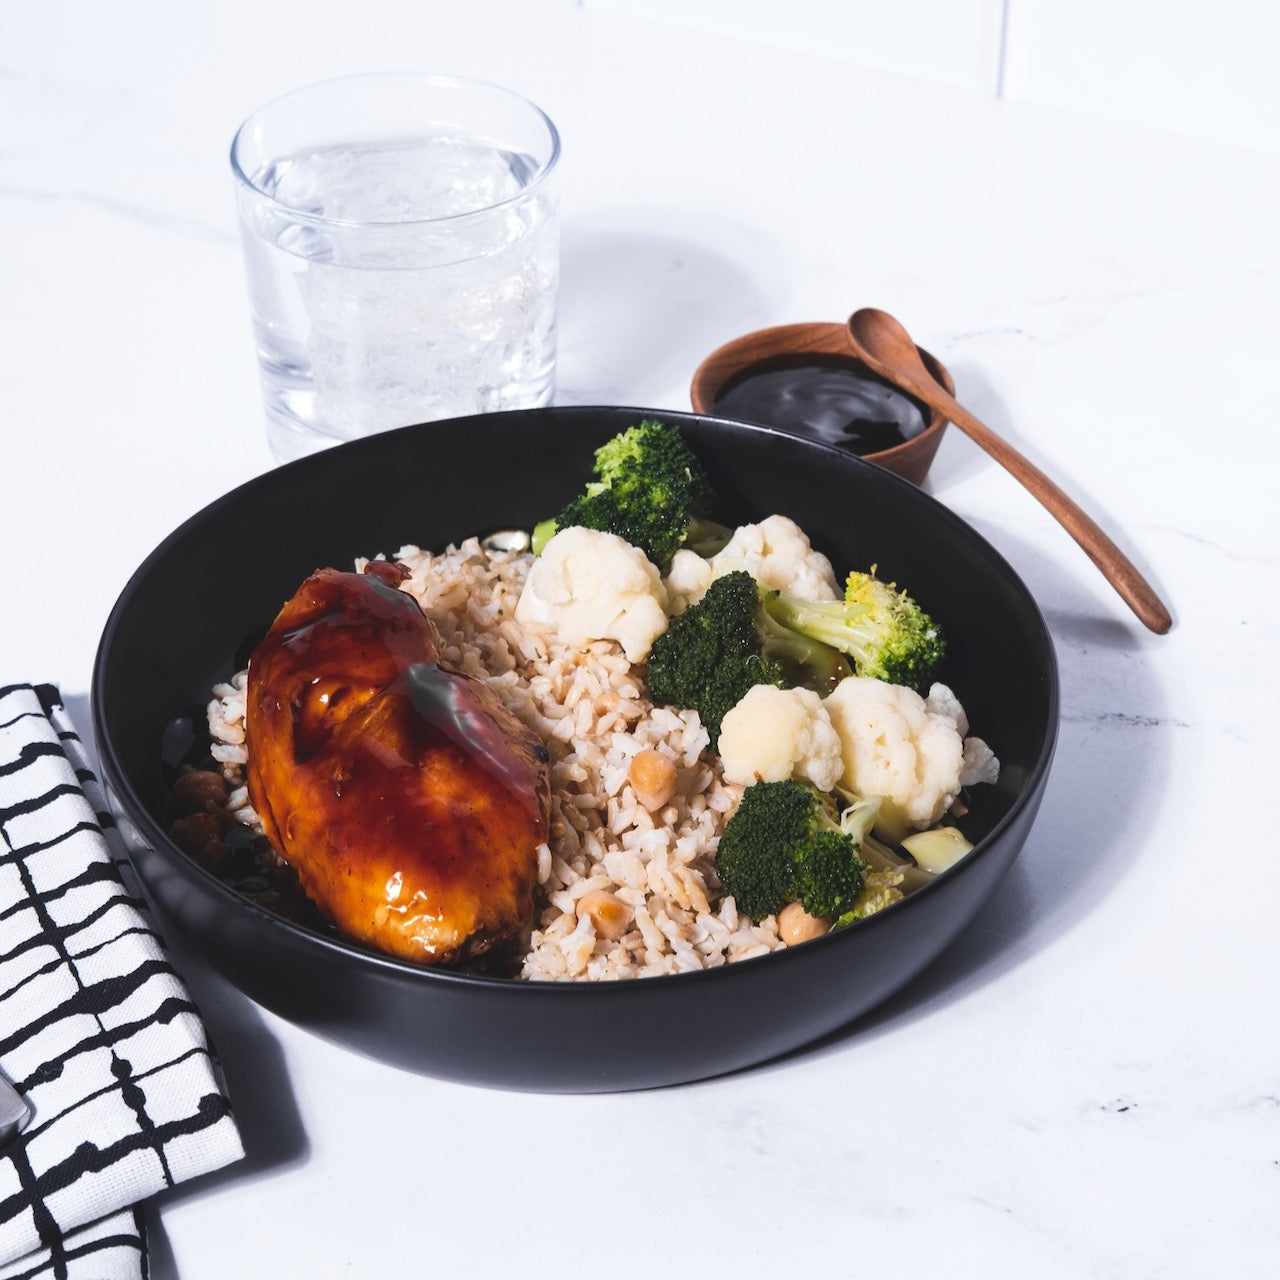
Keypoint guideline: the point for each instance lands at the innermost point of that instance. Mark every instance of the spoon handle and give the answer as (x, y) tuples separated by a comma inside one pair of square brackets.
[(1116, 567)]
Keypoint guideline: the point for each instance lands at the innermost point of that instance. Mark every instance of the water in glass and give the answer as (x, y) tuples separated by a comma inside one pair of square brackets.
[(399, 283)]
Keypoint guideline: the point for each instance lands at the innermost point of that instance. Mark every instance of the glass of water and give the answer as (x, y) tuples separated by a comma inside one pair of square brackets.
[(401, 245)]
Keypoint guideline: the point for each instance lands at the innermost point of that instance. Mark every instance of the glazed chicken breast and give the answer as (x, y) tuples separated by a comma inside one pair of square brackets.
[(408, 799)]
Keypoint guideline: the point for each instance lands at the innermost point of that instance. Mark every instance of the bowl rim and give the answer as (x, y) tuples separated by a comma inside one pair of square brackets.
[(138, 813)]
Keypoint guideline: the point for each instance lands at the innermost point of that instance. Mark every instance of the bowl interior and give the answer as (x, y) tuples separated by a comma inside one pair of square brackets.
[(192, 611)]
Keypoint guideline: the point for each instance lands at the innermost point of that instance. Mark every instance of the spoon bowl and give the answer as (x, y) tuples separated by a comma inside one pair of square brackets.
[(773, 347)]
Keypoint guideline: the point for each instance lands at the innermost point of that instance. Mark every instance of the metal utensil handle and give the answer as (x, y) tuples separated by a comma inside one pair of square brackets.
[(15, 1111)]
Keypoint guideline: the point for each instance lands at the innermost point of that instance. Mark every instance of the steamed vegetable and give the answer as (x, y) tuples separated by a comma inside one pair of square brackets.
[(784, 844), (896, 746), (886, 634), (773, 734), (649, 489), (720, 647), (596, 586)]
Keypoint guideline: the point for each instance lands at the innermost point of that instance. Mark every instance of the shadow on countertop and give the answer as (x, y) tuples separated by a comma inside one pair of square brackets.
[(640, 308), (261, 1092), (1114, 749)]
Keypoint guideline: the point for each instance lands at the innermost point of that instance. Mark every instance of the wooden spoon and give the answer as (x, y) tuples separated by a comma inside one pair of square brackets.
[(882, 344)]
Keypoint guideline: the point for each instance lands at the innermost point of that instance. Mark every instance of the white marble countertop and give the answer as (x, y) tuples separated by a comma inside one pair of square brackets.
[(1088, 1082)]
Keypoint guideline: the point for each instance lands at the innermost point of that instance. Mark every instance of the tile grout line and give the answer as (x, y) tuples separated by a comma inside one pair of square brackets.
[(1002, 47)]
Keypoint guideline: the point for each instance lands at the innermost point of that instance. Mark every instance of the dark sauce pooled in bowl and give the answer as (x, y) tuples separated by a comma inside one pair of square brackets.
[(827, 398)]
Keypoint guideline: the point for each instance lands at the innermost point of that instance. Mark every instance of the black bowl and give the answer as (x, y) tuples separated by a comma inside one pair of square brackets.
[(209, 590)]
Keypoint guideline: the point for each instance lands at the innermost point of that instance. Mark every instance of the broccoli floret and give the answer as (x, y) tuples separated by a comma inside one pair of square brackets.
[(784, 844), (649, 489), (712, 653), (884, 631)]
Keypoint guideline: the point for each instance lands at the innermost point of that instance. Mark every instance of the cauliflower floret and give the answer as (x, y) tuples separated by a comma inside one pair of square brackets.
[(940, 701), (778, 552), (896, 747), (774, 734), (687, 580), (979, 761), (596, 586)]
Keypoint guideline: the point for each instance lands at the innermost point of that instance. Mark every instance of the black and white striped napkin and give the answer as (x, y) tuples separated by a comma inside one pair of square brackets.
[(97, 1031)]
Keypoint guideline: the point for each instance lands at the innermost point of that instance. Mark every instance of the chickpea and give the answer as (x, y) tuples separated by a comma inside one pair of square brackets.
[(653, 779), (796, 925), (610, 916)]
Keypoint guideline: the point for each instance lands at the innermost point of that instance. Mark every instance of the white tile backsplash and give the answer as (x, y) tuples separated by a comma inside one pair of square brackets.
[(955, 42), (1207, 69), (1199, 67)]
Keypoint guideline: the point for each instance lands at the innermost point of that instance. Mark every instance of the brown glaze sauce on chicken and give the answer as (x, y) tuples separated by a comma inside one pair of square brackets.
[(409, 801)]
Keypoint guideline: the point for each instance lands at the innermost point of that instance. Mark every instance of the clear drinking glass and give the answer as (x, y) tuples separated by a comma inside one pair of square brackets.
[(401, 244)]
